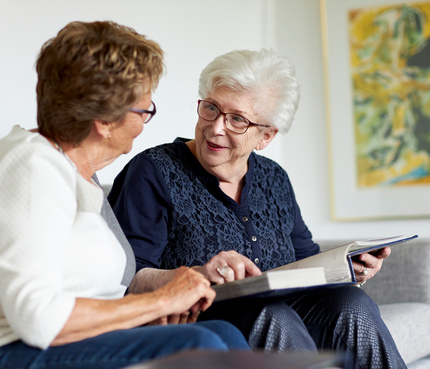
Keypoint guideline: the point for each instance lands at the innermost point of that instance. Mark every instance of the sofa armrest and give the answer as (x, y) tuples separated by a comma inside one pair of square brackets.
[(405, 274)]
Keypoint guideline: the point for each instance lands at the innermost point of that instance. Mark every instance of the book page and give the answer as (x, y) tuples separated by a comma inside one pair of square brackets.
[(359, 247), (333, 257), (336, 262), (336, 266)]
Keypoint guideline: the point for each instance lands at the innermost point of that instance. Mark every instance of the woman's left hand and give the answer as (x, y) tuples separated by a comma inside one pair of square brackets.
[(368, 264)]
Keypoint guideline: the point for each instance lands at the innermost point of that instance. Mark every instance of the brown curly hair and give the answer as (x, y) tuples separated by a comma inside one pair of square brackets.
[(92, 71)]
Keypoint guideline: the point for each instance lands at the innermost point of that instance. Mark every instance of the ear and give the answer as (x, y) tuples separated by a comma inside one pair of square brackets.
[(268, 136), (102, 128)]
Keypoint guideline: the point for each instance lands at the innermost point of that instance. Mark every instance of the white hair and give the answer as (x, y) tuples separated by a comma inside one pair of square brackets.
[(265, 74)]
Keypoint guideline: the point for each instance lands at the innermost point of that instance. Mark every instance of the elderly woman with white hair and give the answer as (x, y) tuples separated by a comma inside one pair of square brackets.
[(214, 204)]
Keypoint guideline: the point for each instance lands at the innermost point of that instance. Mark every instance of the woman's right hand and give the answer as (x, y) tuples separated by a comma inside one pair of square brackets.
[(188, 291), (228, 266)]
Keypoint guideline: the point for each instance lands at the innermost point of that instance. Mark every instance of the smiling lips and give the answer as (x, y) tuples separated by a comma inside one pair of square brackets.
[(214, 147)]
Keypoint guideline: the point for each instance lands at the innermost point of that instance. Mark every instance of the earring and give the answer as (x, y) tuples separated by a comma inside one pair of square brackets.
[(109, 136)]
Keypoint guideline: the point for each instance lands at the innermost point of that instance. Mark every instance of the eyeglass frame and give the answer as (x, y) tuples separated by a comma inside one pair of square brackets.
[(225, 116), (144, 111)]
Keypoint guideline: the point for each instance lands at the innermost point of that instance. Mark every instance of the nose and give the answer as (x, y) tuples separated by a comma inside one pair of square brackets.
[(218, 125)]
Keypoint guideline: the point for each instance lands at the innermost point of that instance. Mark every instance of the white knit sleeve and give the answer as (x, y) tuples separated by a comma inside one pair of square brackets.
[(38, 206)]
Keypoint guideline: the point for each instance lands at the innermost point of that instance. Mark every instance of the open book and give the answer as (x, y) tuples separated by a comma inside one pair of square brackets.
[(329, 268)]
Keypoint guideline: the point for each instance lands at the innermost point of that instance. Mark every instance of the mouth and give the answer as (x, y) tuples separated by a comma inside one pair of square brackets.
[(213, 146)]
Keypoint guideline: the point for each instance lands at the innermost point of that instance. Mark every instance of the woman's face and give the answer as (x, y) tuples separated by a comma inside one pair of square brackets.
[(123, 135), (222, 152)]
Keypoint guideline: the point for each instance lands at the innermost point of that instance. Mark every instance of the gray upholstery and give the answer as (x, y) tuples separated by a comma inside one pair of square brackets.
[(402, 291), (108, 214)]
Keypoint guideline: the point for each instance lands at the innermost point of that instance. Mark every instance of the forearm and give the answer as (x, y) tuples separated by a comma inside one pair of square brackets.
[(187, 291), (92, 317), (149, 279)]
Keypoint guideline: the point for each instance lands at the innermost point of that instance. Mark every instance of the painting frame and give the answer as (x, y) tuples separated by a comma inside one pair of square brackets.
[(347, 201)]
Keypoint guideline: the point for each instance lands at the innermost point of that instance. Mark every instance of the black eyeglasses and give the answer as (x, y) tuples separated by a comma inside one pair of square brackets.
[(233, 122), (146, 114)]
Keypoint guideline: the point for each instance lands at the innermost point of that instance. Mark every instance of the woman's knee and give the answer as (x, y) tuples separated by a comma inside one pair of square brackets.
[(229, 334), (353, 299), (199, 336), (281, 313)]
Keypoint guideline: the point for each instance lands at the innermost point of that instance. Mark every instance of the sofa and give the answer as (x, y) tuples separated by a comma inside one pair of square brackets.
[(402, 291)]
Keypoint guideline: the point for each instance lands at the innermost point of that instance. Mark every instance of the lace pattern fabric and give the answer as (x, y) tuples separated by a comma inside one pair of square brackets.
[(204, 221)]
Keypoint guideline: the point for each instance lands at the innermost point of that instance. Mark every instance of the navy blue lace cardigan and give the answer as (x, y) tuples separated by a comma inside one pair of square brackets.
[(174, 213)]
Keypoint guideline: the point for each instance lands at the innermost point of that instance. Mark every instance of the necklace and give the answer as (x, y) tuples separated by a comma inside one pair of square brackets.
[(58, 147)]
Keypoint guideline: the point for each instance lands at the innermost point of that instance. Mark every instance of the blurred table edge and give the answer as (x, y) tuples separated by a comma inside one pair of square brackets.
[(199, 359)]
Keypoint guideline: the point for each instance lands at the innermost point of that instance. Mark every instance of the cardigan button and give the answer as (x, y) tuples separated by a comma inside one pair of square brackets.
[(257, 260), (254, 238), (245, 219)]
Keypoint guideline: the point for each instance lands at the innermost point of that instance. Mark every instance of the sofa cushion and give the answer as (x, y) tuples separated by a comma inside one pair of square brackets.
[(405, 275), (405, 322), (420, 364)]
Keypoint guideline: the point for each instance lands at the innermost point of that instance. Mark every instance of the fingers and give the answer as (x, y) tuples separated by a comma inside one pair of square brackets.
[(192, 318), (227, 273), (186, 289), (183, 318), (383, 253), (228, 266), (186, 317), (362, 273), (204, 304), (160, 321), (369, 264), (179, 318), (174, 318), (379, 254)]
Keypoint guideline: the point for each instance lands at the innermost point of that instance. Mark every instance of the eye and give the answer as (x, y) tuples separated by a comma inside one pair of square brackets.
[(237, 122), (210, 107), (238, 119)]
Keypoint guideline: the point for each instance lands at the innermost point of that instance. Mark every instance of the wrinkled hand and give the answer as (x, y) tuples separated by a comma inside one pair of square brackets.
[(371, 261), (187, 294), (228, 266)]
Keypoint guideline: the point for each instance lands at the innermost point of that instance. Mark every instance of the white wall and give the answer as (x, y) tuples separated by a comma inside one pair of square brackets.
[(193, 32)]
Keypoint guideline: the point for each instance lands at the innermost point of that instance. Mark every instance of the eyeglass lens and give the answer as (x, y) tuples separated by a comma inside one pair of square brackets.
[(234, 122), (147, 116)]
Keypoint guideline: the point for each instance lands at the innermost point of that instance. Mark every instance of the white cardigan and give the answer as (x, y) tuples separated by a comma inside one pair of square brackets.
[(54, 244)]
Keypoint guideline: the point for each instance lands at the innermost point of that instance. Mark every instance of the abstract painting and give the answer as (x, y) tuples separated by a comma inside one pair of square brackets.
[(377, 76), (390, 69)]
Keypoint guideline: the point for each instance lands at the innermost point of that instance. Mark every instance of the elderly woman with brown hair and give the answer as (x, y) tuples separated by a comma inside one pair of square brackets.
[(62, 303), (214, 204)]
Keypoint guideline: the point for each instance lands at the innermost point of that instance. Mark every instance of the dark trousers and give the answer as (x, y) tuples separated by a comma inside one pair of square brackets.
[(124, 347), (343, 318)]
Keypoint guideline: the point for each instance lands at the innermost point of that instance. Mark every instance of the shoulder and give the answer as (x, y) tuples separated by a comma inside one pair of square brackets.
[(167, 158), (30, 155), (32, 171), (264, 166), (148, 170), (171, 151)]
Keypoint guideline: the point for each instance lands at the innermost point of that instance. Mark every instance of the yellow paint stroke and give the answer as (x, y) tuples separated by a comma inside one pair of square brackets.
[(391, 97)]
